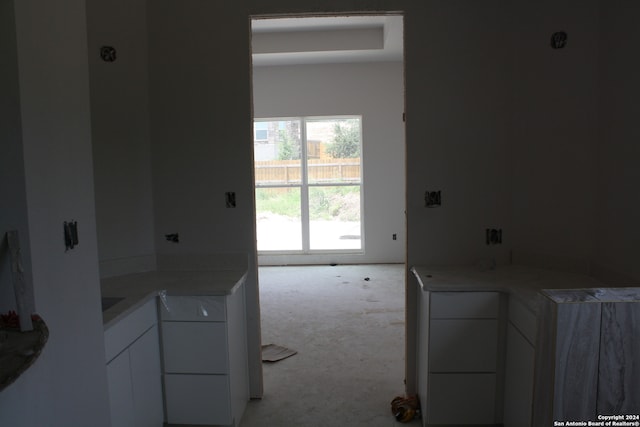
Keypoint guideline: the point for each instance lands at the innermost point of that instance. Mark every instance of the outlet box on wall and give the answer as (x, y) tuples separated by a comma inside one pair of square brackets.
[(493, 236), (432, 199)]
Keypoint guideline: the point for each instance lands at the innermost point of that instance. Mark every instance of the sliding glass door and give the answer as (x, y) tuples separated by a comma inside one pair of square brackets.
[(308, 178)]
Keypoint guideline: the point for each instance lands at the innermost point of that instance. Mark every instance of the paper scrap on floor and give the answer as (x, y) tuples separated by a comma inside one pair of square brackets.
[(274, 353)]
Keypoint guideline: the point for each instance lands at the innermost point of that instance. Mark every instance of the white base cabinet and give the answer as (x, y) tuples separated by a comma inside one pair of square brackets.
[(462, 399), (121, 391), (518, 389), (146, 379), (205, 361), (133, 370), (460, 358), (198, 399), (519, 365)]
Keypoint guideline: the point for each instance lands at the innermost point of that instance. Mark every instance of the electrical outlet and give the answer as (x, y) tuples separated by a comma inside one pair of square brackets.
[(395, 236), (493, 236), (432, 199), (172, 237), (230, 199), (70, 234)]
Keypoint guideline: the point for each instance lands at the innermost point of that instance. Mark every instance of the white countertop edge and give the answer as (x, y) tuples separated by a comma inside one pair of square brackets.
[(140, 296), (125, 307), (527, 284)]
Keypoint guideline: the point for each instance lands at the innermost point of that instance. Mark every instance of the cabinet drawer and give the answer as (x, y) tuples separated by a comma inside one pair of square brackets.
[(461, 399), (463, 345), (464, 305), (193, 308), (195, 347), (198, 399)]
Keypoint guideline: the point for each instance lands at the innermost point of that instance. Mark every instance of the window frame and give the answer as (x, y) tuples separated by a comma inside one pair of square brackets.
[(304, 186)]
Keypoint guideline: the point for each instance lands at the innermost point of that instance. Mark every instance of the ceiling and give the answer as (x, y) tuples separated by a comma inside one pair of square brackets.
[(335, 39)]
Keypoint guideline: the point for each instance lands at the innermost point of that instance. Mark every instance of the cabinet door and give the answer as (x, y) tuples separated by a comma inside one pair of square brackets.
[(195, 347), (461, 399), (463, 345), (146, 379), (198, 399), (423, 348), (518, 390), (523, 319), (121, 334), (120, 391)]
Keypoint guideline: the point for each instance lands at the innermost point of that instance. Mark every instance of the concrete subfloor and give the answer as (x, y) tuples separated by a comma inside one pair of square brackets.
[(349, 335)]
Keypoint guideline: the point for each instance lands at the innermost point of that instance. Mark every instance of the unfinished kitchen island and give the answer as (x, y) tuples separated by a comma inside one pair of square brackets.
[(202, 348), (491, 345)]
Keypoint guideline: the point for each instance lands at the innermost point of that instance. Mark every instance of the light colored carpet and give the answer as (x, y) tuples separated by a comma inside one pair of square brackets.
[(349, 335)]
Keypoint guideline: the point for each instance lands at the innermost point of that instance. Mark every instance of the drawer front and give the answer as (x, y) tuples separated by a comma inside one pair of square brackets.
[(195, 347), (463, 345), (193, 308), (523, 319), (126, 331), (461, 399), (197, 399), (464, 305)]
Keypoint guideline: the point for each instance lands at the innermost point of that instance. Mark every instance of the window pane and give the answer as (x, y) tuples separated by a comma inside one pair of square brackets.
[(277, 157), (278, 221), (333, 150), (261, 134), (334, 217)]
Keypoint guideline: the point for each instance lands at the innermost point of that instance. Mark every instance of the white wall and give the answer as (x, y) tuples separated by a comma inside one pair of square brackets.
[(374, 91), (457, 104), (12, 185), (457, 74), (472, 109), (201, 130), (120, 133), (554, 128), (67, 385), (617, 233)]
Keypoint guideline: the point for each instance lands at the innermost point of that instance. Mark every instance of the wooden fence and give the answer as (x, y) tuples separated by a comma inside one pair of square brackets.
[(320, 170)]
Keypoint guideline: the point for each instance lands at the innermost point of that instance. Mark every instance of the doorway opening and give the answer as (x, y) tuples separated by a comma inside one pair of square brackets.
[(330, 70), (328, 102)]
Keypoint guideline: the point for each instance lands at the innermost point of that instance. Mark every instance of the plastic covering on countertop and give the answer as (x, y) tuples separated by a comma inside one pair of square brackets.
[(418, 278), (163, 300), (194, 308)]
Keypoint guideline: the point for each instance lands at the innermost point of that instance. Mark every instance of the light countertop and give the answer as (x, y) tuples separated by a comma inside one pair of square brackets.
[(594, 295), (524, 283), (136, 289)]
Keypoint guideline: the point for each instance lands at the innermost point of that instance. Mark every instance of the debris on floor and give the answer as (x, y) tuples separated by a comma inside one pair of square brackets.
[(275, 353), (405, 409)]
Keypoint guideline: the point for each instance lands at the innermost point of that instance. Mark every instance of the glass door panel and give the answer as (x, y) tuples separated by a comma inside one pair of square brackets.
[(277, 152), (308, 182), (333, 150), (334, 217), (278, 219)]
